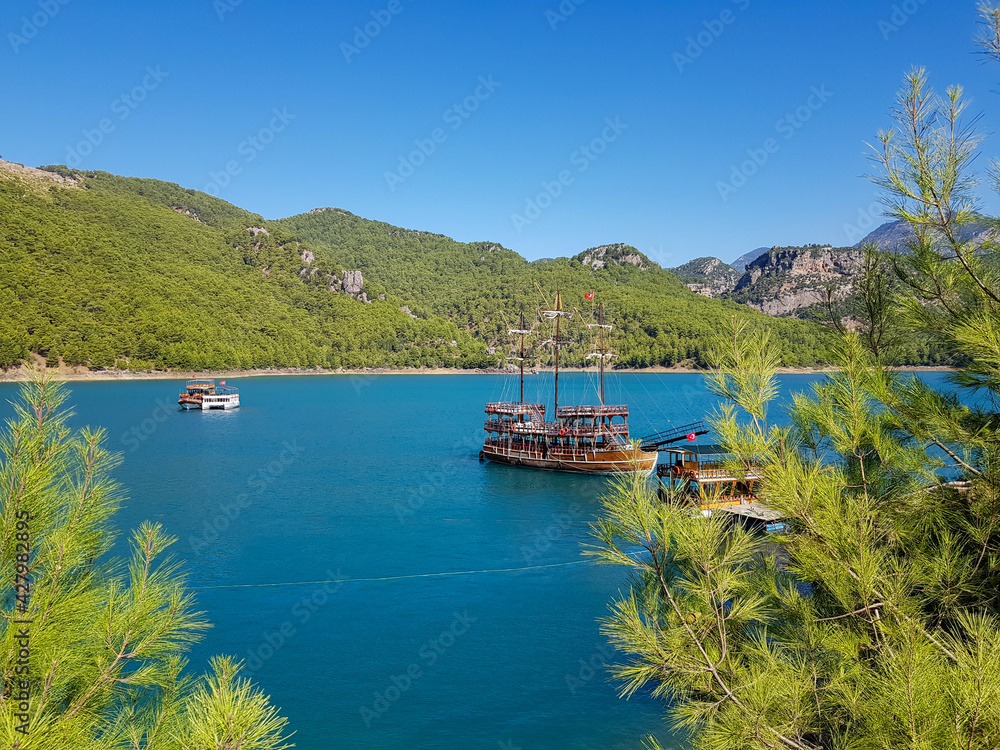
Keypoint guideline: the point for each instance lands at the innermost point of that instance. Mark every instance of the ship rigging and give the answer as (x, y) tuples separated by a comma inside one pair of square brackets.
[(587, 438)]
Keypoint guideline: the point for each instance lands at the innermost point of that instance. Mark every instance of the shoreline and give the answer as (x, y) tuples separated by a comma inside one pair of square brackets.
[(79, 374)]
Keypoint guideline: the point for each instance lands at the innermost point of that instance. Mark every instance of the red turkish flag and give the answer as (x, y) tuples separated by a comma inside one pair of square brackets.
[(692, 437), (589, 295), (222, 382)]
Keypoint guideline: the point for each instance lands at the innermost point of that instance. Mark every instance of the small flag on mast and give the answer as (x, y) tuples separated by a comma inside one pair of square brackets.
[(691, 437), (222, 382), (589, 295)]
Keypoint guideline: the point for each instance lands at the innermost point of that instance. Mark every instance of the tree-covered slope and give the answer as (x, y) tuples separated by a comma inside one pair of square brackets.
[(482, 286), (108, 271), (104, 273), (711, 276)]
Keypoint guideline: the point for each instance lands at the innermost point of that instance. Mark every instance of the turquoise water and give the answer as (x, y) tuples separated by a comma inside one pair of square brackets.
[(465, 618)]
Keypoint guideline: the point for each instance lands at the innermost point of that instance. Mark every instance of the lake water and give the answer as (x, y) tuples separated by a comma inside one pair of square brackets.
[(465, 616)]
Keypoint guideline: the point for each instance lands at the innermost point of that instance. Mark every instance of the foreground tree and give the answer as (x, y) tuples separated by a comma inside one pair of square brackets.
[(881, 628), (92, 649)]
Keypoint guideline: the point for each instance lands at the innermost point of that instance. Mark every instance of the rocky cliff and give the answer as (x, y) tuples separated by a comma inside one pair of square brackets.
[(707, 276), (788, 279), (618, 254)]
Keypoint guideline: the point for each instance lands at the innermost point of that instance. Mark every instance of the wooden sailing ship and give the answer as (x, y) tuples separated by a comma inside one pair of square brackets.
[(585, 439)]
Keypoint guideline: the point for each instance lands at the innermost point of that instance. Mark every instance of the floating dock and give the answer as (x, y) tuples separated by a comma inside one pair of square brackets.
[(757, 516)]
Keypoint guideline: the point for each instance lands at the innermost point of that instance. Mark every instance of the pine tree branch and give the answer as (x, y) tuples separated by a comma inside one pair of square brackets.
[(865, 609), (711, 666)]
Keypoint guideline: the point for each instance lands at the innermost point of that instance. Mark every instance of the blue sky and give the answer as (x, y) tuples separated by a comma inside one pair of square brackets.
[(548, 127)]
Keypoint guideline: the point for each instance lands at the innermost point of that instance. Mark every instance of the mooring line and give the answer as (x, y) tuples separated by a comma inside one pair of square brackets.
[(390, 578)]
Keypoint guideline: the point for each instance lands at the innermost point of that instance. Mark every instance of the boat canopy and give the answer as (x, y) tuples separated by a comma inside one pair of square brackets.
[(513, 407), (699, 450), (571, 412)]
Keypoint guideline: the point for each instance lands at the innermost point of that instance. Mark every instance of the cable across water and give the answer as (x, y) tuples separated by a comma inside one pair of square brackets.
[(444, 574)]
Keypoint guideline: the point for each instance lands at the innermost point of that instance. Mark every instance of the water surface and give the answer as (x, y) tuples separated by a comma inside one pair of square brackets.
[(376, 480)]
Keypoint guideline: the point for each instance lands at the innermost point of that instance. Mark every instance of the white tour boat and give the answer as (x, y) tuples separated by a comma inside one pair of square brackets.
[(205, 394)]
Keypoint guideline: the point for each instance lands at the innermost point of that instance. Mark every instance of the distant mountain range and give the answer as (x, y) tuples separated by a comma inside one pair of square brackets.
[(793, 281), (897, 236), (106, 272), (741, 263)]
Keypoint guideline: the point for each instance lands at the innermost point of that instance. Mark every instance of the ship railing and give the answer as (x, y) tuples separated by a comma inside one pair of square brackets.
[(568, 412), (711, 473), (514, 407), (554, 429), (536, 448), (719, 474), (722, 501)]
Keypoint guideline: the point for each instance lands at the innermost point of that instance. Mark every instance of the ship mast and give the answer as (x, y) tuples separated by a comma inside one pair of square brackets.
[(522, 358), (602, 349), (521, 333), (555, 410), (557, 342)]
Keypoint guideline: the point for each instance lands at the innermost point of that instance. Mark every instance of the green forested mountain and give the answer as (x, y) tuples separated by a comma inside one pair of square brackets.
[(482, 286), (140, 273), (108, 271)]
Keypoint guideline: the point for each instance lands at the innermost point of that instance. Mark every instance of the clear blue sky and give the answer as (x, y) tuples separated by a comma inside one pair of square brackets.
[(229, 65)]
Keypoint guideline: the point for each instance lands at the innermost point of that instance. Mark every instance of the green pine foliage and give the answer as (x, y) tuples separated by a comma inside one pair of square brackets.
[(875, 621), (878, 630), (93, 655)]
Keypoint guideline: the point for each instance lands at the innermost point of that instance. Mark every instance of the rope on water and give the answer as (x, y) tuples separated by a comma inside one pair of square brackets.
[(392, 578)]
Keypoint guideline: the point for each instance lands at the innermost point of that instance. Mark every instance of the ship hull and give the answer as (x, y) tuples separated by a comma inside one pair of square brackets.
[(577, 462)]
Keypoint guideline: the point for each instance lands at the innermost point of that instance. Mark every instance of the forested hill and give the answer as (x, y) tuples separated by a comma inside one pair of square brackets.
[(106, 271), (481, 287), (113, 272)]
